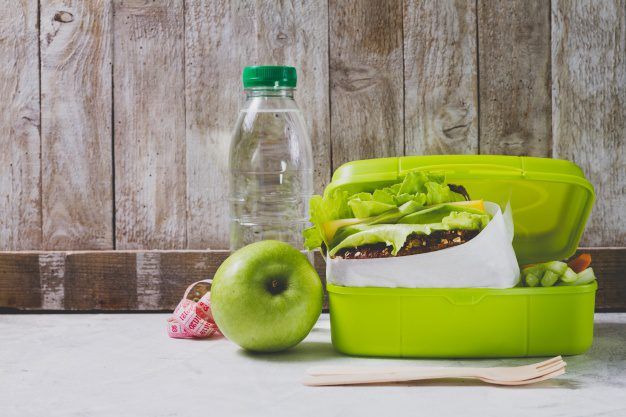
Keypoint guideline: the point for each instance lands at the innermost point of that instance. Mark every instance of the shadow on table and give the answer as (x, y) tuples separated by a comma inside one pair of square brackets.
[(305, 351), (560, 383), (602, 364)]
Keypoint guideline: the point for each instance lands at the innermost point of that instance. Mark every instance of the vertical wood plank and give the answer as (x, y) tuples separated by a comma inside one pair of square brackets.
[(20, 200), (588, 107), (149, 134), (219, 41), (366, 79), (295, 33), (514, 77), (77, 196), (221, 38), (440, 77)]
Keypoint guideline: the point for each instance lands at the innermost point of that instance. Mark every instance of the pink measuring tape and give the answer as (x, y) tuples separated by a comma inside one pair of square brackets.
[(191, 318)]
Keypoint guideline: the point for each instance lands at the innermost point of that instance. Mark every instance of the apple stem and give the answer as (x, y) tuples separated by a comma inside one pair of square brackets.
[(276, 286)]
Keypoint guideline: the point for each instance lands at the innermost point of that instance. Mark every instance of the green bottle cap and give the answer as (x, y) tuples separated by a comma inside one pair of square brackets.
[(269, 76)]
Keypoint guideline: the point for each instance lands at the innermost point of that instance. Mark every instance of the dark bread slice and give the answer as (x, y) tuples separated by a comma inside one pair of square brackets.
[(415, 244)]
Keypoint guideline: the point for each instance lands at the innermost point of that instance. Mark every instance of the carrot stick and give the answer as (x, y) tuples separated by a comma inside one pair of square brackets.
[(580, 263)]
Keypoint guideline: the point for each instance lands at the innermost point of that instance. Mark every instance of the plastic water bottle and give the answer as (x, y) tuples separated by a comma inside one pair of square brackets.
[(271, 163)]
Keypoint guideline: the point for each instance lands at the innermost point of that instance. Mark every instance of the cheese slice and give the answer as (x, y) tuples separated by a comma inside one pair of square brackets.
[(475, 204)]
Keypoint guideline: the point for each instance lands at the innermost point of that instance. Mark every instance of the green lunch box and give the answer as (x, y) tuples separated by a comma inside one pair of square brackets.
[(551, 201)]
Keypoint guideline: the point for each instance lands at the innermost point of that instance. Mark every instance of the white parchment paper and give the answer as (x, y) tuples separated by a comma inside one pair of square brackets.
[(486, 261)]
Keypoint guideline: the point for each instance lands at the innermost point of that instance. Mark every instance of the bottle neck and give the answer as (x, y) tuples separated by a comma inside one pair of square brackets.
[(269, 92)]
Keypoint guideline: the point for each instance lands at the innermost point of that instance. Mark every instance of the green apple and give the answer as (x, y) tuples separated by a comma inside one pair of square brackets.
[(266, 297)]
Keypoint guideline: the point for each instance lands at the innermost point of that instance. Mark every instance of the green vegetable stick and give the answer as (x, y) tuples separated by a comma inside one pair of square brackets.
[(536, 270), (549, 278), (569, 276), (531, 280), (557, 267), (585, 277)]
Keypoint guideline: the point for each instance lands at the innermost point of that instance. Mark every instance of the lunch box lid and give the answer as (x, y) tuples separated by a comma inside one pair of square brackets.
[(550, 198)]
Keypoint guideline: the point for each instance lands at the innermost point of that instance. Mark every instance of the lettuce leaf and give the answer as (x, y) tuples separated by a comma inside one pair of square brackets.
[(405, 198), (384, 196), (364, 209), (420, 187), (440, 193), (312, 238), (436, 214), (392, 216), (416, 190), (389, 217), (464, 220), (367, 205), (413, 183), (395, 235), (322, 209)]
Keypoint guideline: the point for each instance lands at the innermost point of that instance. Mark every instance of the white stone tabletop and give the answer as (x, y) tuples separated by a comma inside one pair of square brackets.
[(125, 365)]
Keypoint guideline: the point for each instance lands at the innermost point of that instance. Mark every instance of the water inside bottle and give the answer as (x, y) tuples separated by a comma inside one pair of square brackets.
[(271, 177)]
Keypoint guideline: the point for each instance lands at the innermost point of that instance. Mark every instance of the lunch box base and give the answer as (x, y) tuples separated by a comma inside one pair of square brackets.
[(462, 323)]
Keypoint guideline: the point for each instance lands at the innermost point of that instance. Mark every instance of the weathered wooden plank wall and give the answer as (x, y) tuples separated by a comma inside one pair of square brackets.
[(514, 77), (221, 38), (20, 162), (366, 88), (589, 105), (440, 78), (149, 129), (76, 108), (116, 115), (138, 100)]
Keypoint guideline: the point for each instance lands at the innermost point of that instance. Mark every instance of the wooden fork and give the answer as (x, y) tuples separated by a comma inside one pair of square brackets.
[(517, 375)]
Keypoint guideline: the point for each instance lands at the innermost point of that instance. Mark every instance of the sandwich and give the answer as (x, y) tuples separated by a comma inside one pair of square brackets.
[(420, 213)]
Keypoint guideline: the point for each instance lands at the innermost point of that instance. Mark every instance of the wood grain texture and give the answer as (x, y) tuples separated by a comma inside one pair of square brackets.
[(52, 280), (295, 33), (366, 79), (149, 133), (588, 106), (440, 77), (219, 41), (156, 280), (76, 108), (221, 38), (198, 265), (20, 287), (609, 266), (20, 201), (145, 166), (514, 77), (102, 280)]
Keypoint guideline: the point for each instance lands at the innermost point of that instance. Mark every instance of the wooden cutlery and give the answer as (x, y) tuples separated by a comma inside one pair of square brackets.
[(514, 375)]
